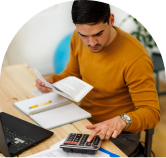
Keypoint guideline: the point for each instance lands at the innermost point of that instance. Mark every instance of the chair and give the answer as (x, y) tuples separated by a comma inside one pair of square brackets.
[(158, 66), (144, 150)]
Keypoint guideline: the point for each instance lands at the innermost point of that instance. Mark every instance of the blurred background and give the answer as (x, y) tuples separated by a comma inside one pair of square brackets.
[(43, 43)]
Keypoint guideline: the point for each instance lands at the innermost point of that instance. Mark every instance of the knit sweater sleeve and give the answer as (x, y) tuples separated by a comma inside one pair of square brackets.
[(141, 84), (72, 68)]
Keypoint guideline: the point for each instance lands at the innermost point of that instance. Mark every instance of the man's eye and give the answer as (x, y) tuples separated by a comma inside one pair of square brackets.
[(84, 36), (99, 34)]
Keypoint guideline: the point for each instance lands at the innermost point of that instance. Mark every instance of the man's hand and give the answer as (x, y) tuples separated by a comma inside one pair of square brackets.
[(110, 128), (41, 86)]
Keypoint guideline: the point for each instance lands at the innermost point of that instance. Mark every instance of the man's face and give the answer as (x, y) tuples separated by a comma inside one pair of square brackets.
[(96, 37)]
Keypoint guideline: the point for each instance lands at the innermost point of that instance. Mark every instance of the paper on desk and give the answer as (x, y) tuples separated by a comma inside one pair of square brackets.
[(36, 92), (56, 151), (101, 150)]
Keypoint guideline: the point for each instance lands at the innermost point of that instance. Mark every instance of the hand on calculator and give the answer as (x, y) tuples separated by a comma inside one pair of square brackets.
[(77, 142), (109, 128)]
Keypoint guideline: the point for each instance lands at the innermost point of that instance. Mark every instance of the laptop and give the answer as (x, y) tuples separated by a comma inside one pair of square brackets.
[(17, 135)]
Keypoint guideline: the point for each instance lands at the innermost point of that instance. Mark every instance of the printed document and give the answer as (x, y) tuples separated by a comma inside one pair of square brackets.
[(56, 151)]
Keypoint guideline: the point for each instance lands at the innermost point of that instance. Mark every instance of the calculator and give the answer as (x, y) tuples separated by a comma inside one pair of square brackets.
[(76, 142)]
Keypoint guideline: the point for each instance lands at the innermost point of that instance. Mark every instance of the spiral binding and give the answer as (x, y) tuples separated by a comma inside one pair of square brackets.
[(49, 108)]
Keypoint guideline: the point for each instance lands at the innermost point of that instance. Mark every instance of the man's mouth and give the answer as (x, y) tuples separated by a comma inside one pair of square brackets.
[(94, 47)]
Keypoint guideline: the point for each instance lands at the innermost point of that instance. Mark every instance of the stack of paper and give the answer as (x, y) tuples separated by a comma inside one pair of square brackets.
[(56, 151)]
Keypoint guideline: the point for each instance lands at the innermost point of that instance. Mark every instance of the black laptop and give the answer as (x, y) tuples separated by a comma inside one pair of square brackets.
[(17, 135)]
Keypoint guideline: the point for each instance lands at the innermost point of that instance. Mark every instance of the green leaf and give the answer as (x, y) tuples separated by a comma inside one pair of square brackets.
[(139, 28), (150, 45), (155, 43), (144, 39), (135, 20), (149, 37), (145, 29)]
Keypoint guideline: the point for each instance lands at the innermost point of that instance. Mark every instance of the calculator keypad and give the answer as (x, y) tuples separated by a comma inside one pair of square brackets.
[(81, 140)]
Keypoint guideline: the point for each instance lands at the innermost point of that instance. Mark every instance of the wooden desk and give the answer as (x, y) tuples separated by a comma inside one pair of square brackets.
[(17, 83)]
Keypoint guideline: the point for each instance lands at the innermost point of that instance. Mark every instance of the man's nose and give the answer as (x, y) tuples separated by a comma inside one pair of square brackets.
[(92, 41)]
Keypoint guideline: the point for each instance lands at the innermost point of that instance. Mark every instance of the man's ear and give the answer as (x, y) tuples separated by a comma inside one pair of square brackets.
[(111, 20)]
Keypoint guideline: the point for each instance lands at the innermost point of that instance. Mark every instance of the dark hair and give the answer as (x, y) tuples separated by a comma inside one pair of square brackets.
[(90, 12)]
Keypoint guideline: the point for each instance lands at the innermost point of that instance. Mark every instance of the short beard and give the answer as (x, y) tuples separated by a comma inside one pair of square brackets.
[(100, 45)]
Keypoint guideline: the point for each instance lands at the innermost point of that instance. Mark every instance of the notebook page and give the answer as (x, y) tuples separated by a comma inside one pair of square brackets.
[(74, 87), (25, 105), (59, 116)]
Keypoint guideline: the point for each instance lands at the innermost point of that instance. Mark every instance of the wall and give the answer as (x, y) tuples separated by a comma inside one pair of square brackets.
[(36, 41)]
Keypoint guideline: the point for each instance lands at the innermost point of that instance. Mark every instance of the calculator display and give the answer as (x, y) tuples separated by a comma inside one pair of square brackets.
[(76, 142)]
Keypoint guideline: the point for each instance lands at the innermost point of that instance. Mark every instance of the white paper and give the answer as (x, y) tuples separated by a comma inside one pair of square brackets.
[(60, 116), (70, 87), (74, 87), (54, 89), (56, 151), (36, 92)]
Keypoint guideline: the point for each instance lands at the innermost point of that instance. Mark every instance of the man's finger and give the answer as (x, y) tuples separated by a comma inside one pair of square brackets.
[(43, 89), (94, 132), (108, 134), (115, 134), (92, 126), (103, 131), (39, 82)]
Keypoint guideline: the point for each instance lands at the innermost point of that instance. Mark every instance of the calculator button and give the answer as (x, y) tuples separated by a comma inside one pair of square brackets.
[(79, 135), (81, 144), (88, 144), (68, 142), (69, 139), (76, 139), (75, 142), (72, 134), (92, 140), (97, 139), (84, 138)]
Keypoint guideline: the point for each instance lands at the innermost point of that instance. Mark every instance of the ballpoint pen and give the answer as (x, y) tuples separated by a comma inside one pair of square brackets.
[(37, 105)]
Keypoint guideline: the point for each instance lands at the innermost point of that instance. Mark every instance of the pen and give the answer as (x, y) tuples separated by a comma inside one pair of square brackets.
[(37, 105)]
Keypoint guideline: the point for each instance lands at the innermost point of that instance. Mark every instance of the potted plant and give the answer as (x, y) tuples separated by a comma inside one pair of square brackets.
[(142, 34)]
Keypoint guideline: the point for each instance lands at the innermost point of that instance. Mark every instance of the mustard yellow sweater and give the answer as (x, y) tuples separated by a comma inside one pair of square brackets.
[(122, 77)]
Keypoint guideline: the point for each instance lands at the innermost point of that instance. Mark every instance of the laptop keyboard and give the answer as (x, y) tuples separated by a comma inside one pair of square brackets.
[(20, 142)]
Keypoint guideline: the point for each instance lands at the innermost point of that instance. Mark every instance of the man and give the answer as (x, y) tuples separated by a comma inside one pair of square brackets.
[(124, 100)]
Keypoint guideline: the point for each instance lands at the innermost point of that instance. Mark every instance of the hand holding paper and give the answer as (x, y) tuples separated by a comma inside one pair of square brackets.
[(41, 84), (70, 87)]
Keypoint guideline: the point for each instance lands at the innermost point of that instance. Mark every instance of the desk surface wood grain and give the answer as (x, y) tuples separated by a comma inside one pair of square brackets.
[(17, 82)]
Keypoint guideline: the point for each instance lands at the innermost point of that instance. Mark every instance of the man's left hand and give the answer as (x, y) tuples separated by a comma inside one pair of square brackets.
[(109, 128)]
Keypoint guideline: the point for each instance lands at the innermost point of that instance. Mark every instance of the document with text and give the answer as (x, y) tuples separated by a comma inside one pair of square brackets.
[(70, 87), (56, 151)]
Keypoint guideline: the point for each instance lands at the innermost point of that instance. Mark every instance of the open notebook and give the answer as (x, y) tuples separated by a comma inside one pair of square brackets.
[(58, 112)]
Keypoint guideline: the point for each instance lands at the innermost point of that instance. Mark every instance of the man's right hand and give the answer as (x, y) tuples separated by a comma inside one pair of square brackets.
[(41, 86)]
